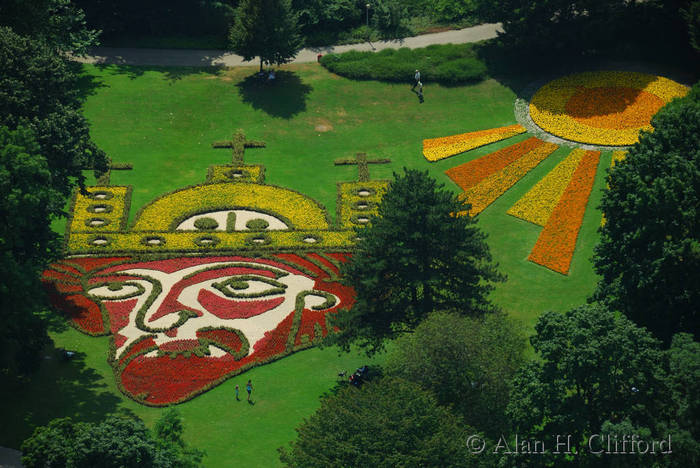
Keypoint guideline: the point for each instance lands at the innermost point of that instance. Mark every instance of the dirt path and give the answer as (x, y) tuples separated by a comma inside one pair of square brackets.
[(203, 58)]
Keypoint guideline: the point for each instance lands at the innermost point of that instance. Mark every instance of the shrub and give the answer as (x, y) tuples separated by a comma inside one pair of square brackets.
[(447, 64), (206, 224)]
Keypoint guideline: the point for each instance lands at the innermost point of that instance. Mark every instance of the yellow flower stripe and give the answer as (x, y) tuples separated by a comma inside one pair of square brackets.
[(617, 156), (348, 210), (486, 192), (86, 209), (227, 241), (435, 149), (536, 205), (162, 213), (604, 108)]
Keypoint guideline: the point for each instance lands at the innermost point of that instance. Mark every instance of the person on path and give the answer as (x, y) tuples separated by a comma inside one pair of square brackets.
[(249, 389), (417, 82), (237, 399)]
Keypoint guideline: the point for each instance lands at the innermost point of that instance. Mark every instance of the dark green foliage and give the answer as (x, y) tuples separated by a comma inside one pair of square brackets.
[(59, 24), (414, 258), (595, 368), (385, 423), (257, 224), (390, 18), (466, 362), (115, 442), (38, 89), (206, 224), (649, 250), (448, 64), (26, 203), (267, 29)]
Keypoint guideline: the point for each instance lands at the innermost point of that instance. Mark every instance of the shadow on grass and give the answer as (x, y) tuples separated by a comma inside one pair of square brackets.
[(60, 388), (169, 73), (283, 97)]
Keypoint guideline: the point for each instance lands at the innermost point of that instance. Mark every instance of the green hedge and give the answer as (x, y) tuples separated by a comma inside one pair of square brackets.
[(447, 64)]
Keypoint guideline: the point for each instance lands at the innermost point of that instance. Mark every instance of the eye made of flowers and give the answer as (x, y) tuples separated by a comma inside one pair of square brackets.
[(249, 286), (116, 290)]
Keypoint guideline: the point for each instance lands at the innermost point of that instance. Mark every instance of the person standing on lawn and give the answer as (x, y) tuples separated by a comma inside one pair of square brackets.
[(416, 77), (237, 399), (249, 389)]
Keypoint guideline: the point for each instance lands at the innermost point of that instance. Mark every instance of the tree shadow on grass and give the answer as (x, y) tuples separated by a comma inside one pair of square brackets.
[(284, 97), (169, 73), (60, 388)]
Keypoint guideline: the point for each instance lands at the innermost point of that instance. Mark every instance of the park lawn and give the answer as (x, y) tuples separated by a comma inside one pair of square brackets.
[(163, 121)]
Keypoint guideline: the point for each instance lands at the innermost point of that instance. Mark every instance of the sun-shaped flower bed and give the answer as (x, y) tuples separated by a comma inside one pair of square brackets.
[(602, 108)]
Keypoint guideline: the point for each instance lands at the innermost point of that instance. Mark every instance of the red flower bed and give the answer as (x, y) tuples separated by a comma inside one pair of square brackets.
[(555, 246)]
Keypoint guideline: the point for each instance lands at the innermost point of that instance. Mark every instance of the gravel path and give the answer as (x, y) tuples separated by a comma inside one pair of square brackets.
[(10, 458), (203, 58)]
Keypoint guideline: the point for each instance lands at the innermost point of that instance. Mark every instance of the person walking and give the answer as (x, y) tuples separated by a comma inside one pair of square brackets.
[(249, 389), (417, 82), (237, 399)]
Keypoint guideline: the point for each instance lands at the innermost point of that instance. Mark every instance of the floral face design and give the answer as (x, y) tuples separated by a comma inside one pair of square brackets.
[(182, 325)]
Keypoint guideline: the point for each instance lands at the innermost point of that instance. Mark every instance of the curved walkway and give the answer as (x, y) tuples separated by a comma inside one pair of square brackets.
[(10, 458), (204, 58)]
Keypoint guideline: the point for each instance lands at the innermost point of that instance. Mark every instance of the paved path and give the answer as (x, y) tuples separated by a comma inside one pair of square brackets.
[(10, 458), (202, 58)]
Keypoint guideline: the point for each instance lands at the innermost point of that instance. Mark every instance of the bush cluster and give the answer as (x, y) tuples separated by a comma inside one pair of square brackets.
[(447, 64)]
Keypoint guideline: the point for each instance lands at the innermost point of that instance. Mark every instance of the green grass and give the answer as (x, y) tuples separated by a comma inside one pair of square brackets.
[(163, 121)]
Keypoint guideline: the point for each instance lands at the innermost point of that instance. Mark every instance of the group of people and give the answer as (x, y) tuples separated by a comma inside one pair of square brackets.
[(418, 83), (248, 388), (358, 377)]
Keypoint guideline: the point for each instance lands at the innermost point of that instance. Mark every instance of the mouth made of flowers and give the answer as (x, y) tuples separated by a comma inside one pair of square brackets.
[(613, 107)]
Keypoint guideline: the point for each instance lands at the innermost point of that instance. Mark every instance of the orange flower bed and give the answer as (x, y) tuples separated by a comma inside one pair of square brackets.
[(435, 149), (555, 247), (469, 174)]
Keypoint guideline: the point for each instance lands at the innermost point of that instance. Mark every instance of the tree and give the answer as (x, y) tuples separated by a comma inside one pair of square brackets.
[(649, 250), (26, 202), (385, 423), (59, 24), (390, 17), (466, 362), (596, 369), (115, 442), (45, 144), (415, 257), (267, 29)]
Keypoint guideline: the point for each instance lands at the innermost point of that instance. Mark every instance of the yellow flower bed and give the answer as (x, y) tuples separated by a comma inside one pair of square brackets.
[(487, 191), (349, 198), (87, 208), (537, 204), (184, 241), (617, 156), (603, 108), (435, 149), (166, 212)]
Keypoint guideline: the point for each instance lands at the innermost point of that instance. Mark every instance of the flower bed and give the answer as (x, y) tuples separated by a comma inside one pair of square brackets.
[(488, 190), (537, 204), (602, 108), (469, 174), (555, 246), (435, 149), (161, 362)]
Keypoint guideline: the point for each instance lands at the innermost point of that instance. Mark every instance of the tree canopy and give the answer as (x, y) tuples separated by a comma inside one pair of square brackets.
[(267, 29), (385, 423), (598, 372), (649, 251), (415, 257), (466, 362), (114, 442)]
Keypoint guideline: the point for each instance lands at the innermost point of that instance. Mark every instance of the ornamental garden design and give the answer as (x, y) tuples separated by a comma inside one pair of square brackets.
[(208, 280), (590, 112)]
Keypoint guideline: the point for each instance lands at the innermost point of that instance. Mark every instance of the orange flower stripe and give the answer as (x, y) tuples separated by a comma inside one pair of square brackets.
[(617, 156), (555, 246), (435, 149), (488, 190), (469, 174), (537, 204)]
